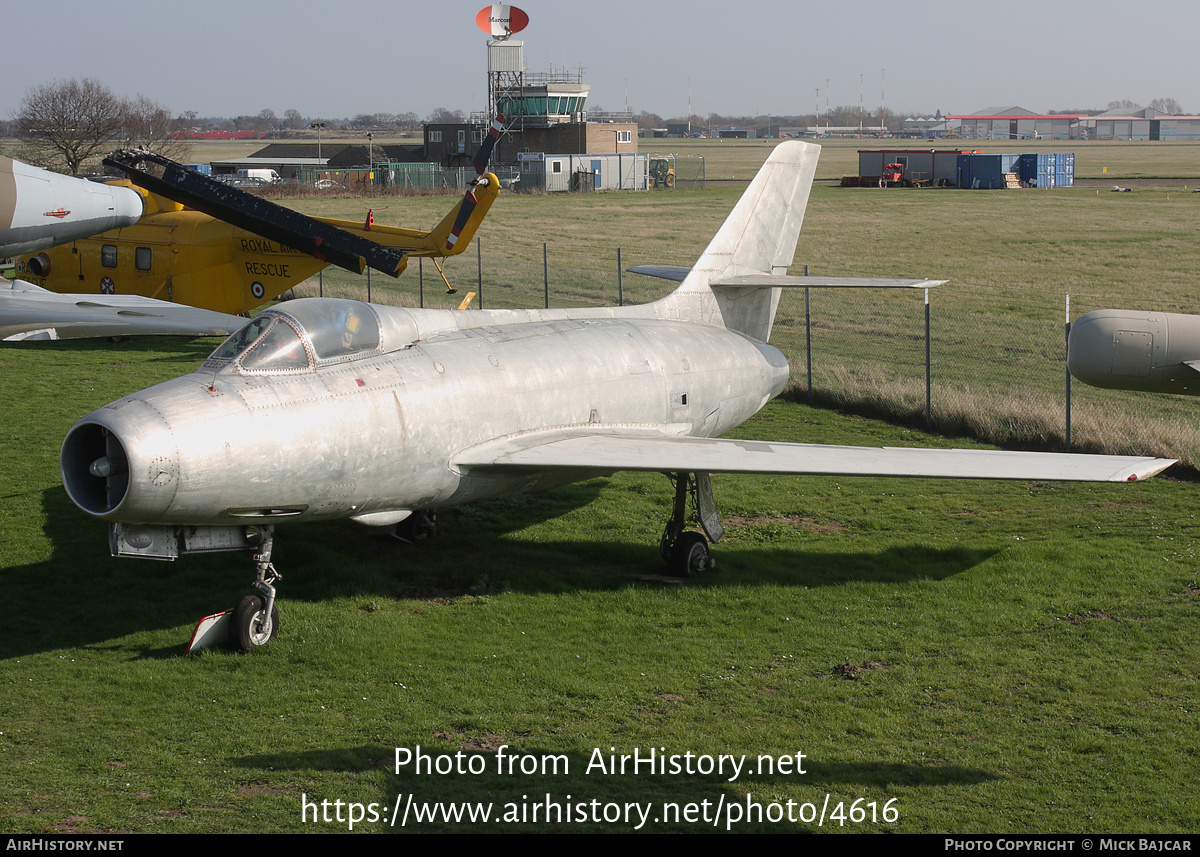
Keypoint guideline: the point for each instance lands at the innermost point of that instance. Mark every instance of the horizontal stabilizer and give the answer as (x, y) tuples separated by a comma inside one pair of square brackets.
[(663, 272), (679, 272), (789, 282), (610, 452)]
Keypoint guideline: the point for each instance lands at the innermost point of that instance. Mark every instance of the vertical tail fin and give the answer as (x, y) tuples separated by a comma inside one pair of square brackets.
[(759, 237)]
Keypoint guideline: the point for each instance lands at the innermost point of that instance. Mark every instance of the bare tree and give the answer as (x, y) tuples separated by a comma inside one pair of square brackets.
[(246, 122), (70, 121), (1167, 105), (149, 125), (645, 121), (445, 116)]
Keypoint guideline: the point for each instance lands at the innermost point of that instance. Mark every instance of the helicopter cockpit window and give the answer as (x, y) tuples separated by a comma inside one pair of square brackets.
[(241, 338), (337, 328), (280, 350)]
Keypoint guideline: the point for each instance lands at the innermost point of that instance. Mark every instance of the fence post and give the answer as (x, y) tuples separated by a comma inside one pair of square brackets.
[(620, 281), (368, 285), (807, 334), (479, 270), (321, 283), (421, 281), (1066, 345), (928, 372), (545, 275)]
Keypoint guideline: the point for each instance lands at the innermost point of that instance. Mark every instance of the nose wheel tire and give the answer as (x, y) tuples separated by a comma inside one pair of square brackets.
[(251, 626)]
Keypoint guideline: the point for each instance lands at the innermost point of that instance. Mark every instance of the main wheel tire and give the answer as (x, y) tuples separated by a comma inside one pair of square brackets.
[(251, 628), (690, 555)]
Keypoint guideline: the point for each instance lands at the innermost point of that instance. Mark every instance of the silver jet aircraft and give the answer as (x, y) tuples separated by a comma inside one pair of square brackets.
[(328, 408)]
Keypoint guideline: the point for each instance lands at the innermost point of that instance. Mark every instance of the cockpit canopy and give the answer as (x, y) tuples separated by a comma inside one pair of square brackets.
[(313, 332)]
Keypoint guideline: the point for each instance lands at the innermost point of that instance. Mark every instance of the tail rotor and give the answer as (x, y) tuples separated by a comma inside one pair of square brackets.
[(480, 162)]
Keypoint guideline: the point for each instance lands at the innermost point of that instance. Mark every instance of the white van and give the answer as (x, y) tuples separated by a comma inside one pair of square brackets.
[(267, 176)]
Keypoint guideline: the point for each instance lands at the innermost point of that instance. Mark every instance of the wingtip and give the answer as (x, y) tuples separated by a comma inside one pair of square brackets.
[(1149, 468)]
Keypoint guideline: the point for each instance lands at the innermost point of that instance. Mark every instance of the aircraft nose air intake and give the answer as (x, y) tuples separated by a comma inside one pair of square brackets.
[(121, 462), (95, 468)]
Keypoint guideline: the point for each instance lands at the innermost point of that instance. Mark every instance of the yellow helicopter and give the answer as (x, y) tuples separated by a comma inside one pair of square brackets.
[(205, 244)]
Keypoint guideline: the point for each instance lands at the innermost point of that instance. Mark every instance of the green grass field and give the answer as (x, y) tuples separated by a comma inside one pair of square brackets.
[(1005, 657), (988, 656)]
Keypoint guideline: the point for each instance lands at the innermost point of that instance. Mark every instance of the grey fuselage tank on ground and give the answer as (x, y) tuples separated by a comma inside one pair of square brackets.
[(327, 408), (1154, 352)]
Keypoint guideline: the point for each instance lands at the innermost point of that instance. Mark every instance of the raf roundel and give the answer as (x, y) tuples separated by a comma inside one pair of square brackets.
[(256, 289)]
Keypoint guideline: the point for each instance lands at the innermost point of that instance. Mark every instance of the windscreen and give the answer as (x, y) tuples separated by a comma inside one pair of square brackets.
[(241, 338), (281, 350)]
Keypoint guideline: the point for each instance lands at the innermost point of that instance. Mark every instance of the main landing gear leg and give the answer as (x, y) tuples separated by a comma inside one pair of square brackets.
[(686, 553), (419, 526), (256, 619)]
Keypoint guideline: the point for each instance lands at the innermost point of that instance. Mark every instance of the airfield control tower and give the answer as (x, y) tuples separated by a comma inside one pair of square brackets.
[(537, 100), (544, 112)]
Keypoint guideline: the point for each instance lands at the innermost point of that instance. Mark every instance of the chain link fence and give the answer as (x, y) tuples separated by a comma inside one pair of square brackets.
[(991, 366)]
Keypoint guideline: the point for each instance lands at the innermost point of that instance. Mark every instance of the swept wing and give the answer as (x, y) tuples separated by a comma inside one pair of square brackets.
[(609, 452), (30, 312)]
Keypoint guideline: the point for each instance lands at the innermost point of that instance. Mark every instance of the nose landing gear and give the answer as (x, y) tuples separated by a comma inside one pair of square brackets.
[(255, 621)]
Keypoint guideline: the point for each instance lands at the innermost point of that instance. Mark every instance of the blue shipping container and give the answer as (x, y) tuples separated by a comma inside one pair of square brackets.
[(1065, 169), (1029, 169), (962, 171), (981, 171), (1048, 169)]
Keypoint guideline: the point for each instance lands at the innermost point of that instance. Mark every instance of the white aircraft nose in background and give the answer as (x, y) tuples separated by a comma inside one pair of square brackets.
[(39, 209)]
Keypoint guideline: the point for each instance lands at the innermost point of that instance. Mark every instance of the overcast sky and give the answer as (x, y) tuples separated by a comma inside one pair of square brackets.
[(331, 60)]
